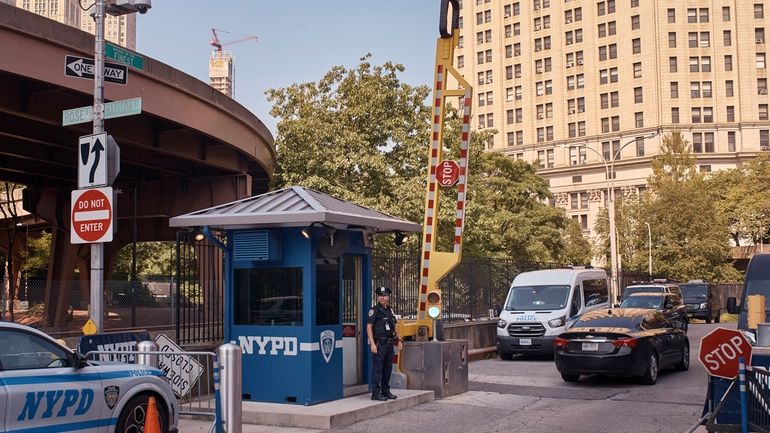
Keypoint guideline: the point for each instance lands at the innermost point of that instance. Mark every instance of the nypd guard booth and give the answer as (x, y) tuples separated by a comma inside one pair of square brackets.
[(297, 286)]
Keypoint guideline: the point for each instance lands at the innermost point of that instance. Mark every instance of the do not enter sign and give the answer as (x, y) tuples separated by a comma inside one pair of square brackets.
[(720, 350), (91, 216)]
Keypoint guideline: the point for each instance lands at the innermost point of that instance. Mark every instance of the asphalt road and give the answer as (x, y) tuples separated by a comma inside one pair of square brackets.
[(528, 395)]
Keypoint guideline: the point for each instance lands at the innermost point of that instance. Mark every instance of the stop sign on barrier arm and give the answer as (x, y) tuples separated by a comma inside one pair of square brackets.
[(720, 350)]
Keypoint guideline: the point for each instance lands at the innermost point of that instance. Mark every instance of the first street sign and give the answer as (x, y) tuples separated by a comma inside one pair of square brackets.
[(83, 67)]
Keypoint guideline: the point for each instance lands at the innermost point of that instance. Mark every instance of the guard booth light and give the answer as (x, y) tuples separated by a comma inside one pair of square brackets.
[(434, 304)]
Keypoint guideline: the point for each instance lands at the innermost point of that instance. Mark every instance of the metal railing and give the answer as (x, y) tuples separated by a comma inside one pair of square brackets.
[(756, 392), (193, 376)]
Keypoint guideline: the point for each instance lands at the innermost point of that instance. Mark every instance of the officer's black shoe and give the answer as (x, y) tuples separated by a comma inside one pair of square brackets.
[(379, 397), (390, 395)]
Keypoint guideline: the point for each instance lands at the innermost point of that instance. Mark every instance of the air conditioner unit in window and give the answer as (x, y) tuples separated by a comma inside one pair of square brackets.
[(569, 42), (546, 26), (764, 147), (704, 44), (489, 81), (518, 75), (540, 116), (539, 70), (569, 64), (568, 21), (760, 41), (580, 62), (537, 28), (537, 8), (763, 91), (459, 45), (571, 111), (508, 15)]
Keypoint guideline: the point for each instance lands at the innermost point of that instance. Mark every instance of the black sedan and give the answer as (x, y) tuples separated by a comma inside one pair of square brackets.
[(670, 304), (621, 342)]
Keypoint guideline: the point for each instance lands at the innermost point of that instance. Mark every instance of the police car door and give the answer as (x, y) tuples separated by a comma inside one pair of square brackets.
[(44, 391)]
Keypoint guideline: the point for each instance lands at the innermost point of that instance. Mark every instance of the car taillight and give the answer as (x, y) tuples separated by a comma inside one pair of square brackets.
[(625, 342), (560, 342)]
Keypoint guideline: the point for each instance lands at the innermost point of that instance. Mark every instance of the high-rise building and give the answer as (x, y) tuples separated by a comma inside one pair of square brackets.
[(221, 71), (570, 83), (120, 30), (63, 11)]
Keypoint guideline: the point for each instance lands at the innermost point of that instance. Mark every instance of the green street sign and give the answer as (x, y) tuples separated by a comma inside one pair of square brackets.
[(123, 56), (126, 107)]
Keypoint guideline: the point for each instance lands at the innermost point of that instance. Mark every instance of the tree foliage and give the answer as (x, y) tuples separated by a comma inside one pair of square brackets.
[(362, 135), (689, 234)]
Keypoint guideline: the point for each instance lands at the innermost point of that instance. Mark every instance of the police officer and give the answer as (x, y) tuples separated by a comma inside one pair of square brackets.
[(381, 330)]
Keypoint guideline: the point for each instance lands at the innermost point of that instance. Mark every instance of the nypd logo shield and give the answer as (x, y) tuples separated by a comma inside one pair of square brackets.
[(327, 344), (111, 396)]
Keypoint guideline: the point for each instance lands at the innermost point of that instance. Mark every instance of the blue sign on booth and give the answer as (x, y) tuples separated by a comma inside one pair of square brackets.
[(297, 271)]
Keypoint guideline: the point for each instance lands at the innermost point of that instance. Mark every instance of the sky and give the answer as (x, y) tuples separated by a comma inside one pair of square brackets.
[(298, 40)]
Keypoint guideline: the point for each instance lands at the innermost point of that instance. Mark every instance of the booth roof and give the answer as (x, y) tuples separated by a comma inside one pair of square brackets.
[(295, 206)]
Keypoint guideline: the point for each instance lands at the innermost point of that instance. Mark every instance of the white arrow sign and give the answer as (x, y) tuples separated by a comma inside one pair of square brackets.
[(82, 67), (98, 160)]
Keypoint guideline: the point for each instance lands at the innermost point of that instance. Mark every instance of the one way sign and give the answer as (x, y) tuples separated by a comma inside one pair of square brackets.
[(82, 67), (98, 161)]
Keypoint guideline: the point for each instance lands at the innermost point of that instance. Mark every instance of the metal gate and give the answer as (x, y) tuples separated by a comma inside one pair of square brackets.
[(199, 295)]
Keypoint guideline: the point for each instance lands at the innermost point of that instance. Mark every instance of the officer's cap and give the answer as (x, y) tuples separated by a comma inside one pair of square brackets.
[(382, 291)]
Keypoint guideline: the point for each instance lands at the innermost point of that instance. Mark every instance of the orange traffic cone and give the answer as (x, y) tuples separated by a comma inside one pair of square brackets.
[(152, 420)]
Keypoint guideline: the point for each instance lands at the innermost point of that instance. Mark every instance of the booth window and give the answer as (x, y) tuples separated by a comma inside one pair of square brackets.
[(328, 299), (271, 296)]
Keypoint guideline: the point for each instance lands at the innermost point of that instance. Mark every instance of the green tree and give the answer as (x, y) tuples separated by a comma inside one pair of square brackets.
[(362, 135), (744, 199), (689, 235), (152, 258)]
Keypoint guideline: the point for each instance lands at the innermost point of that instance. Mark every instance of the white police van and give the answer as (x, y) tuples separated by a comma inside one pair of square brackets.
[(542, 304), (48, 388)]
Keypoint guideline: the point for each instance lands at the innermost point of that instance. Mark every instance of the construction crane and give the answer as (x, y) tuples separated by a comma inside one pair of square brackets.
[(221, 66)]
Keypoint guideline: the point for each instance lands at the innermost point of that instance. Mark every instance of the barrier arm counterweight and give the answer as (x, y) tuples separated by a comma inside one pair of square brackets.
[(436, 264)]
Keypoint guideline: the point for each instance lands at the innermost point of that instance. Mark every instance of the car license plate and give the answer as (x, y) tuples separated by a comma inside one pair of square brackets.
[(590, 347), (525, 341)]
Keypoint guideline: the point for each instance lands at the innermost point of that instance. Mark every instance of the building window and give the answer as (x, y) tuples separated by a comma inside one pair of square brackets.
[(639, 146), (725, 13), (708, 142), (638, 97), (703, 15), (708, 114), (761, 61), (697, 142), (672, 39), (706, 168), (706, 89), (728, 63), (671, 16), (730, 113), (638, 70), (508, 117), (635, 22), (759, 34), (727, 38), (639, 119), (764, 137), (762, 86), (519, 138), (674, 89), (672, 64), (616, 123), (696, 115), (606, 150), (759, 11), (510, 138), (550, 158), (634, 3), (674, 114), (692, 15), (636, 45), (695, 89), (731, 141), (729, 88), (762, 111)]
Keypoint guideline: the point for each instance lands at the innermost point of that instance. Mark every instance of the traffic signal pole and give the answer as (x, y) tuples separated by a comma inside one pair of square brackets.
[(97, 249)]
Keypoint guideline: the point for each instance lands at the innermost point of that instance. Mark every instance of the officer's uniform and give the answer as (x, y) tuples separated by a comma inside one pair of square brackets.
[(384, 332)]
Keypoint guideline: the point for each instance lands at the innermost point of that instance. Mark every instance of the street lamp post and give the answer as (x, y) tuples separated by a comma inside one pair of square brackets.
[(609, 169), (649, 248)]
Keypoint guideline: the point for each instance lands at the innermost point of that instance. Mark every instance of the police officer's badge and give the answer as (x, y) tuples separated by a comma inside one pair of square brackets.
[(111, 396), (327, 344), (371, 312)]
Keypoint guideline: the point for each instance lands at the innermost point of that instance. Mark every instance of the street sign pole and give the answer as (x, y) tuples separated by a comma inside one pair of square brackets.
[(97, 249)]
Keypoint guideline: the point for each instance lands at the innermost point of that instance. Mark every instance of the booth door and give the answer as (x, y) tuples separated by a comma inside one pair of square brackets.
[(353, 328)]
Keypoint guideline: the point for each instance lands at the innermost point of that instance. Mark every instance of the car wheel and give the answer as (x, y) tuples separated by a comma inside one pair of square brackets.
[(684, 364), (570, 377), (650, 375), (506, 356), (133, 416), (717, 318)]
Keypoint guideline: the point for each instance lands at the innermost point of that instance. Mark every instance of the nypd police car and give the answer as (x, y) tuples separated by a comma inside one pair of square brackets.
[(46, 388)]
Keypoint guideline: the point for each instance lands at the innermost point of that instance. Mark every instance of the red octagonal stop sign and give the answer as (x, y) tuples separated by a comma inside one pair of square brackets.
[(447, 173), (720, 350)]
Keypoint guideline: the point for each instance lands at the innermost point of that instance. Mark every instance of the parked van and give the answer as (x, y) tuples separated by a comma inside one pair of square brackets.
[(700, 297), (542, 304), (756, 282)]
